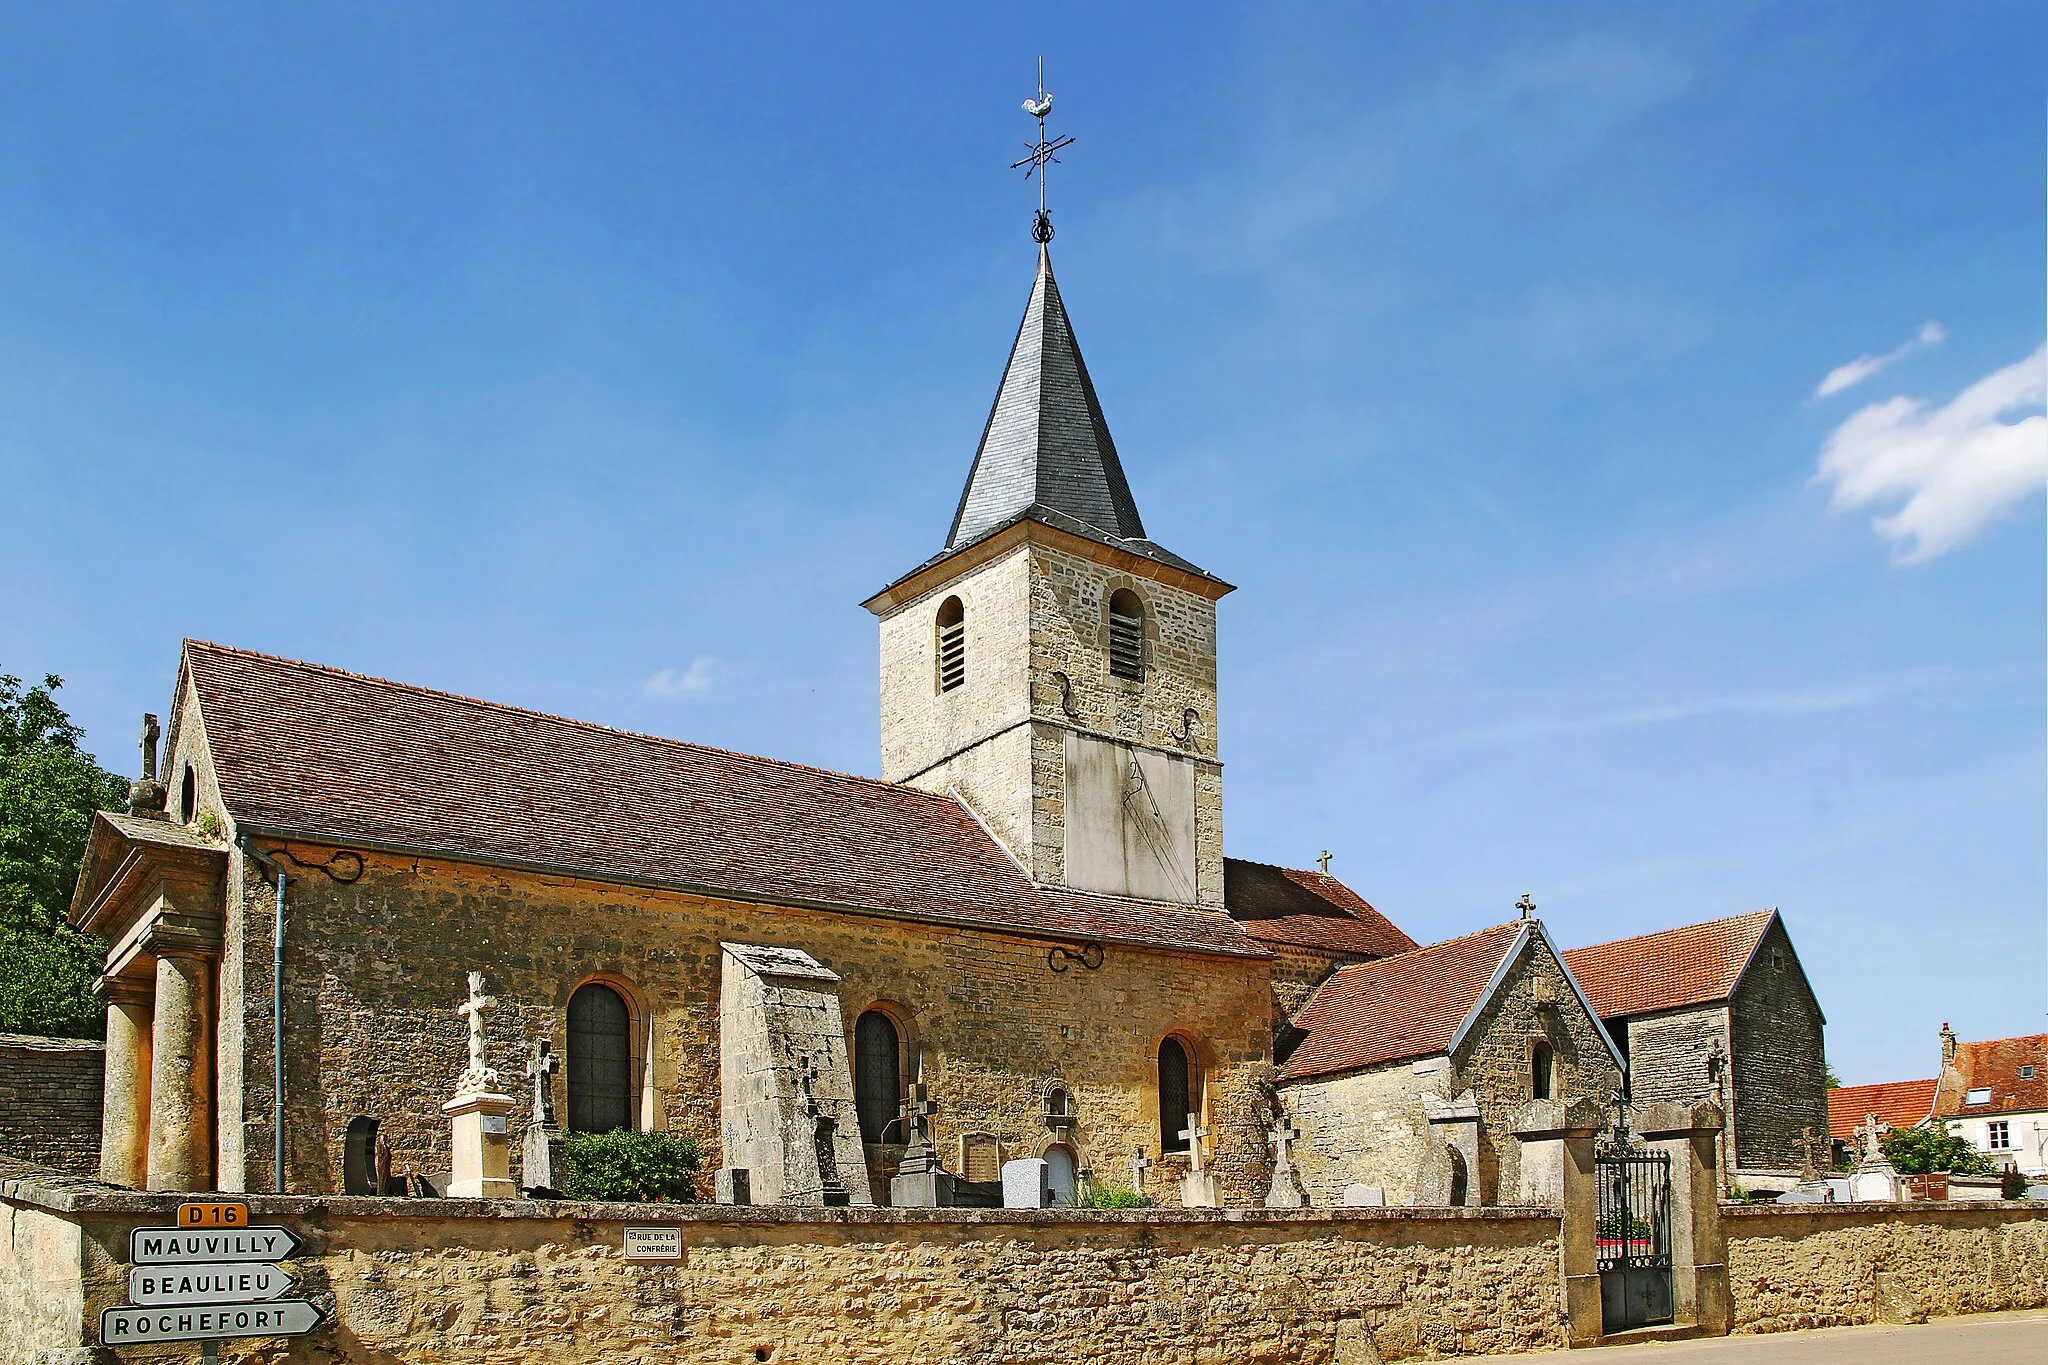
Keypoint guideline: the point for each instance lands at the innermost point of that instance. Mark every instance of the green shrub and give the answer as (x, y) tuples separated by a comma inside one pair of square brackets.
[(629, 1166), (1114, 1197), (1921, 1151), (2014, 1185)]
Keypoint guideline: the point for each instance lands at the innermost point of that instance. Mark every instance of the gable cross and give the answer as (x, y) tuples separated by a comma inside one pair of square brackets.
[(1140, 1163), (1527, 906), (1323, 860), (540, 1068), (1282, 1140), (1194, 1133)]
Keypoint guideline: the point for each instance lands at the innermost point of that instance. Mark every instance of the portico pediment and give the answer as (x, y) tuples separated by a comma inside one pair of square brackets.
[(147, 885)]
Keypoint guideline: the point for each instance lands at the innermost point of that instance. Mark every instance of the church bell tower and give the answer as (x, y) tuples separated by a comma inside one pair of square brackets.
[(1053, 667)]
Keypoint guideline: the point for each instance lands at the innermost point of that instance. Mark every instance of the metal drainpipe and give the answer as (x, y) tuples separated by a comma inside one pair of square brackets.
[(276, 1015)]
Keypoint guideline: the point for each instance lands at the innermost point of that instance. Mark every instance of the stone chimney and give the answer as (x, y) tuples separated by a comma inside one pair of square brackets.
[(1948, 1045)]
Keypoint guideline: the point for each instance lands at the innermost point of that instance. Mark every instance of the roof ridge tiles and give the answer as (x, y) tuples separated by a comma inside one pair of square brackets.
[(441, 694)]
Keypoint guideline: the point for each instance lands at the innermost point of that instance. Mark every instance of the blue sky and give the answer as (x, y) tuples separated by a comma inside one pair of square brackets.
[(602, 359)]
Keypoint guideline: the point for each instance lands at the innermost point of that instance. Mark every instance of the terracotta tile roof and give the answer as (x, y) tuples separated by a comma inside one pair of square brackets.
[(1898, 1103), (1408, 1005), (1995, 1066), (327, 754), (1694, 964), (1307, 909)]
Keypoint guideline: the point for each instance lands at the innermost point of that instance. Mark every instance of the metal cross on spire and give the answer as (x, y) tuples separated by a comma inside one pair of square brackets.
[(1041, 156)]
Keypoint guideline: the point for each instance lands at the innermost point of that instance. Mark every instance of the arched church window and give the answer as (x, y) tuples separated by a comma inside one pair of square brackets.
[(1175, 1095), (188, 796), (1127, 635), (877, 1073), (1541, 1066), (600, 1060), (952, 644)]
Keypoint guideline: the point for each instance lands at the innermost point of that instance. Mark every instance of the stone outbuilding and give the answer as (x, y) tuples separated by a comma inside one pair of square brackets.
[(1407, 1072), (1720, 1011)]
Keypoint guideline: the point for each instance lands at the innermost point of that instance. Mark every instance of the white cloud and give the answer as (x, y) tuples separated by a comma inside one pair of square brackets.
[(1954, 470), (699, 677), (1863, 366)]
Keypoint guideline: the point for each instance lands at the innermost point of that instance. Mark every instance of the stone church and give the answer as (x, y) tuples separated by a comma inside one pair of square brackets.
[(1030, 914)]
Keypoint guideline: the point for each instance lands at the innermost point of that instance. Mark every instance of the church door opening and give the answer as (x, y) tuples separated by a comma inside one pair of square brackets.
[(600, 1060)]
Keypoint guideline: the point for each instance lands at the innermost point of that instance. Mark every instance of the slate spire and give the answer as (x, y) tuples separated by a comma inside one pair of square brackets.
[(1046, 448)]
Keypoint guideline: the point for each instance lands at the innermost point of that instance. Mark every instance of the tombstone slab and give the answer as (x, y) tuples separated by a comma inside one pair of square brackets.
[(731, 1185), (1365, 1196), (1027, 1184)]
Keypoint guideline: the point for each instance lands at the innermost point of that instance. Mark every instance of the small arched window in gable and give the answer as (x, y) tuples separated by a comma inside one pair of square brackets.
[(1127, 635), (188, 796), (952, 644), (1176, 1095), (600, 1060), (1542, 1063)]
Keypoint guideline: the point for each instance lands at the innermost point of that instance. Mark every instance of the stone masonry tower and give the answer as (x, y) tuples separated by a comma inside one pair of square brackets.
[(1052, 667)]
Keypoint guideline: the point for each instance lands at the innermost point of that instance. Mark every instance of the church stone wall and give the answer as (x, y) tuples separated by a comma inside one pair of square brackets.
[(374, 972), (1365, 1128), (1777, 1062)]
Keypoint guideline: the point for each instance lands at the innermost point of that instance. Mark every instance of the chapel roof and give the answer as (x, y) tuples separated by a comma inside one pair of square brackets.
[(1409, 1005), (1046, 452), (315, 752), (1901, 1104), (1994, 1065), (1694, 964), (1304, 908)]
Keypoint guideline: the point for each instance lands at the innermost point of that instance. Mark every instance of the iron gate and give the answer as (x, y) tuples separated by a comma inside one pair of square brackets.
[(1635, 1234)]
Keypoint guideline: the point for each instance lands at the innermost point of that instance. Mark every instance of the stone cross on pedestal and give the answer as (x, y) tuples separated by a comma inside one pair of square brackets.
[(1813, 1155), (918, 1108), (1140, 1163), (1285, 1191), (476, 1009), (1282, 1139), (540, 1069), (1870, 1149), (1194, 1133)]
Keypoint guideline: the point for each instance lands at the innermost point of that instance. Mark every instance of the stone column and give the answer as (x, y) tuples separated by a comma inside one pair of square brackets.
[(1690, 1135), (181, 1074), (124, 1111), (1557, 1139)]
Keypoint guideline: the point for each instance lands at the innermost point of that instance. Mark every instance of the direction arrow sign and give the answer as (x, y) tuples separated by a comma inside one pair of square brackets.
[(220, 1282), (133, 1326), (189, 1246)]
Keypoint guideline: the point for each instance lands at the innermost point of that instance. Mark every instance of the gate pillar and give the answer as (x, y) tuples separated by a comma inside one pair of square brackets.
[(1557, 1138), (1690, 1135)]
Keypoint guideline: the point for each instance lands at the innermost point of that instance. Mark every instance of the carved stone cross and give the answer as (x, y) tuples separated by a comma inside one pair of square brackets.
[(1813, 1153), (1867, 1135), (1282, 1140), (1140, 1163), (475, 1009), (540, 1068), (918, 1108), (1194, 1133), (149, 738)]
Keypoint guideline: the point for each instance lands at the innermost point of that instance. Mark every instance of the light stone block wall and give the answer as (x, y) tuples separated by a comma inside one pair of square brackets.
[(523, 1284), (1831, 1265), (1365, 1128), (375, 971)]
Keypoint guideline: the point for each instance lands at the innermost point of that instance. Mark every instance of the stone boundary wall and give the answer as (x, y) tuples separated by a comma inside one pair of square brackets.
[(1829, 1265), (435, 1282), (50, 1100)]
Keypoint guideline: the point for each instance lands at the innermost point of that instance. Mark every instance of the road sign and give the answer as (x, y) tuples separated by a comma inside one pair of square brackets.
[(133, 1326), (182, 1246), (213, 1215), (219, 1283)]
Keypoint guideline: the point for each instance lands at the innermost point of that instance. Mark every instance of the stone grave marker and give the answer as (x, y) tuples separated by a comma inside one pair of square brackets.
[(1198, 1186), (1285, 1191), (1027, 1184)]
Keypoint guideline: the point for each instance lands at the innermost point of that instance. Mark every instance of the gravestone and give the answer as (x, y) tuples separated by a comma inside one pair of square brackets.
[(1139, 1164), (359, 1156), (480, 1148), (1026, 1184), (1365, 1196), (981, 1157), (542, 1159), (731, 1185), (1285, 1191), (786, 1110), (1875, 1179), (921, 1182), (1198, 1186)]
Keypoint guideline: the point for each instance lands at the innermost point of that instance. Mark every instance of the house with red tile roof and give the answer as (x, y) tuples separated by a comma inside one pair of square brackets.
[(1896, 1104), (1720, 1010), (1406, 1072), (1995, 1093)]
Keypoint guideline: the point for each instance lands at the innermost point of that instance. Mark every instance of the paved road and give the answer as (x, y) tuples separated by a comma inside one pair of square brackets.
[(1982, 1339)]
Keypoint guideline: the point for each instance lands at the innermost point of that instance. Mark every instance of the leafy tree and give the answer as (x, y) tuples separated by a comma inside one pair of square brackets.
[(49, 789), (1834, 1082), (629, 1166), (1919, 1151)]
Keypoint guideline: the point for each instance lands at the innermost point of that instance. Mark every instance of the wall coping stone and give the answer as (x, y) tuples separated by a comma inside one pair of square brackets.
[(23, 1182), (35, 1042), (1994, 1210)]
